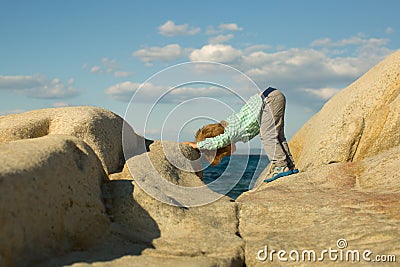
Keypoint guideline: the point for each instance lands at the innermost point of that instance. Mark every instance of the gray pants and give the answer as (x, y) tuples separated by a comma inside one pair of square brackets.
[(272, 130)]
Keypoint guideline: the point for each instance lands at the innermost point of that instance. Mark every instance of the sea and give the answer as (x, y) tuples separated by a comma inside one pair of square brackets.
[(235, 174)]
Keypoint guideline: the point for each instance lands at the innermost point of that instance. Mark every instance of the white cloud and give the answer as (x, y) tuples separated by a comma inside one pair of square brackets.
[(229, 27), (360, 39), (218, 53), (108, 66), (295, 69), (211, 30), (149, 92), (14, 111), (110, 63), (222, 28), (322, 42), (307, 74), (123, 73), (322, 67), (257, 48), (166, 54), (122, 91), (219, 39), (169, 28), (38, 86), (60, 104), (290, 68), (95, 69), (314, 67), (389, 30), (303, 68), (323, 93), (125, 90)]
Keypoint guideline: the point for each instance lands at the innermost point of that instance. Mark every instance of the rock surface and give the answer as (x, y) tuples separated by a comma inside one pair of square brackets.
[(359, 121), (99, 128), (50, 198), (53, 164), (153, 233), (206, 232), (357, 201)]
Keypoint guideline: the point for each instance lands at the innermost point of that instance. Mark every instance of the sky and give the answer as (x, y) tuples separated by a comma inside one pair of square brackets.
[(125, 55)]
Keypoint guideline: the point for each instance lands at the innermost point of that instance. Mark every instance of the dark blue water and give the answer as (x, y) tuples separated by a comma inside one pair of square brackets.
[(234, 175)]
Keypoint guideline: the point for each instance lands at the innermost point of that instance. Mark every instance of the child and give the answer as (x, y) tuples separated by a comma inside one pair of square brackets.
[(262, 114)]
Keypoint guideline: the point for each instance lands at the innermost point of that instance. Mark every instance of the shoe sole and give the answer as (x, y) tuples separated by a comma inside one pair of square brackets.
[(281, 175)]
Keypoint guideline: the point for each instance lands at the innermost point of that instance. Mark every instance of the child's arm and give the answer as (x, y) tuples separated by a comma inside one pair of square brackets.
[(192, 144), (216, 142), (211, 143)]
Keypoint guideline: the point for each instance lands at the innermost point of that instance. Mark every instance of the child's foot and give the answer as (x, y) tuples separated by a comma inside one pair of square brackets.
[(277, 172)]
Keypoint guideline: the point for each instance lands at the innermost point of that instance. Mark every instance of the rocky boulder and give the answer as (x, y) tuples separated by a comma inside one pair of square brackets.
[(50, 198), (149, 230), (99, 128), (53, 165), (357, 202), (358, 122)]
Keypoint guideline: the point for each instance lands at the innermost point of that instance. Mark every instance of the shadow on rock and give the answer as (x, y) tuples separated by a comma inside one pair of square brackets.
[(132, 230), (130, 220)]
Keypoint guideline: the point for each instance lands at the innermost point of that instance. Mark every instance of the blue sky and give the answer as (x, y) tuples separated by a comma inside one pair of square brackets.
[(67, 53)]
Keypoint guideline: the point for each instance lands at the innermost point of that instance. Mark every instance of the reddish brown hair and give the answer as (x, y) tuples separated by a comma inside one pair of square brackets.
[(212, 130)]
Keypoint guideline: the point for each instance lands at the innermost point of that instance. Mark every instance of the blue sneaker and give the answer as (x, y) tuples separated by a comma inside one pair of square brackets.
[(279, 172)]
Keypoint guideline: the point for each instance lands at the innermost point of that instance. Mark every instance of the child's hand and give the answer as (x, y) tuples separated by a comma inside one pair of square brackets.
[(192, 144)]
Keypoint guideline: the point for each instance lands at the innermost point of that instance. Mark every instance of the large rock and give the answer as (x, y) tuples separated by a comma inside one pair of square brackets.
[(358, 202), (99, 128), (50, 198), (149, 232), (360, 121), (204, 232)]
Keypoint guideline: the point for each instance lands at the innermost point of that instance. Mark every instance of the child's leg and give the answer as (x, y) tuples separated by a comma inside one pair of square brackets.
[(272, 130), (285, 147)]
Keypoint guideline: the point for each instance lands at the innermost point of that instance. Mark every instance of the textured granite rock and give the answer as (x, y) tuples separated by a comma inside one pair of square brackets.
[(50, 198), (149, 232), (312, 210), (99, 128), (359, 121)]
